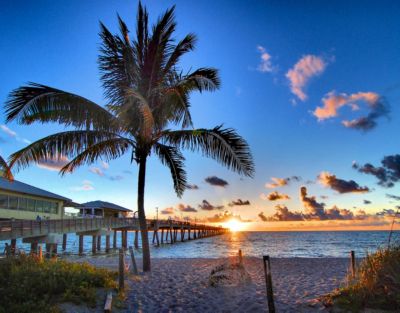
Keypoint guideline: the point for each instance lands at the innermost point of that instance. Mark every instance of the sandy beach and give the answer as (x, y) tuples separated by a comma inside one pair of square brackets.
[(182, 285)]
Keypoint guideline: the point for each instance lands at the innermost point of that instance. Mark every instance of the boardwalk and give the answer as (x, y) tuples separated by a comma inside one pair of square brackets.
[(54, 232)]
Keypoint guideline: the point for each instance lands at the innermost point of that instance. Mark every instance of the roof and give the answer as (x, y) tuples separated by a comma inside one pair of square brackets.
[(103, 205), (20, 187)]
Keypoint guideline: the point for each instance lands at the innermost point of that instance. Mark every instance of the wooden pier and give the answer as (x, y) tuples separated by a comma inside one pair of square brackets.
[(54, 232)]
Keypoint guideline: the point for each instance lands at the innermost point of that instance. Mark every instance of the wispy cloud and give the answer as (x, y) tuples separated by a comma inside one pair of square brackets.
[(86, 185), (207, 206), (274, 196), (340, 185), (265, 62), (101, 171), (13, 134), (168, 211), (332, 103), (280, 182), (186, 208), (55, 164), (192, 187), (307, 67)]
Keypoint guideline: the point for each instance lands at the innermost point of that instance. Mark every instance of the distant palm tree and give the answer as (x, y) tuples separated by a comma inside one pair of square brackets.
[(147, 94), (5, 169)]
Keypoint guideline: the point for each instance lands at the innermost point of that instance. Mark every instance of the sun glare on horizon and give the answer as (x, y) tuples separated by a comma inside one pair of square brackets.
[(234, 225)]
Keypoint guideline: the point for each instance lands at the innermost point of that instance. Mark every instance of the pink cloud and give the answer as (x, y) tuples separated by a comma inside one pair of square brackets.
[(306, 68), (332, 102)]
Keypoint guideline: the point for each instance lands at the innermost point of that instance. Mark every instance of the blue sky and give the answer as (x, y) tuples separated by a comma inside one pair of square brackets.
[(358, 47)]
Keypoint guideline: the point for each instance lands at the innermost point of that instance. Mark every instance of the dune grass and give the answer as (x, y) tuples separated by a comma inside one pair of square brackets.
[(30, 285), (376, 284)]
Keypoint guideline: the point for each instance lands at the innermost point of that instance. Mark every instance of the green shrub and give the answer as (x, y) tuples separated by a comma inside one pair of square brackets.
[(30, 285), (376, 284)]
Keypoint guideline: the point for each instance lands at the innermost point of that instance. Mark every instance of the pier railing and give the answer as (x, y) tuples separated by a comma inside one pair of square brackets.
[(12, 229)]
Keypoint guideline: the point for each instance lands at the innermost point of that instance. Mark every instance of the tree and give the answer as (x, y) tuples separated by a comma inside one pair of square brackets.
[(147, 95), (5, 170)]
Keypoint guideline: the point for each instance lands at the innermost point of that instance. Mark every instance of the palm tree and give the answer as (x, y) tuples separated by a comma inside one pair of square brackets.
[(5, 169), (147, 95)]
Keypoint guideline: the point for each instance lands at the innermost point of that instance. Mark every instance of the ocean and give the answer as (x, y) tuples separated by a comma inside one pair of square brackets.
[(276, 244)]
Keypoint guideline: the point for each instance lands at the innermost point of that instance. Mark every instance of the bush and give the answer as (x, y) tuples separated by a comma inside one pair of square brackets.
[(30, 285), (376, 285)]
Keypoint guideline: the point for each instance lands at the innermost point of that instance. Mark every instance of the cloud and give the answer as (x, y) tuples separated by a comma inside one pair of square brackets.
[(274, 196), (284, 214), (207, 206), (86, 185), (13, 134), (307, 67), (366, 202), (167, 211), (314, 209), (340, 185), (332, 102), (280, 182), (388, 173), (397, 198), (186, 208), (101, 171), (55, 164), (225, 217), (216, 181), (265, 62), (192, 187), (96, 170), (239, 202)]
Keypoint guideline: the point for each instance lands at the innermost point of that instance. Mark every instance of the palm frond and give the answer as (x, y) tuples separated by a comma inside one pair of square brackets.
[(107, 150), (223, 145), (5, 169), (172, 157), (203, 79), (58, 146), (36, 102), (185, 45)]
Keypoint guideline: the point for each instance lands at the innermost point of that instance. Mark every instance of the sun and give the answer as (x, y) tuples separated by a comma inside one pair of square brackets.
[(234, 225)]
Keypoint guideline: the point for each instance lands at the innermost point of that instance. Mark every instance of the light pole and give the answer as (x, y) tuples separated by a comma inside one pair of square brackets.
[(157, 213)]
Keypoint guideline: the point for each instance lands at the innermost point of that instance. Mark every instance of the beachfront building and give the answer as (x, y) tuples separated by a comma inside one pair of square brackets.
[(22, 201), (102, 209)]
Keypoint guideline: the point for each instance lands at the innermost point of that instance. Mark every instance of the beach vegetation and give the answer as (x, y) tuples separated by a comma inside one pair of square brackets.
[(147, 111), (28, 284), (376, 284)]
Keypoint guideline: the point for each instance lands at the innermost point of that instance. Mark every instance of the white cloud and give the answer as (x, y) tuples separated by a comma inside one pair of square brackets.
[(265, 62), (306, 68), (105, 165), (96, 170), (13, 134)]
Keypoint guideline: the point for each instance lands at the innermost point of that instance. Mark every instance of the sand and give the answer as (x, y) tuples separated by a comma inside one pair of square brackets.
[(182, 285)]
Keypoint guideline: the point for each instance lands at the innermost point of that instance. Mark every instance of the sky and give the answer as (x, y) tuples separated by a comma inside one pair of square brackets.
[(313, 87)]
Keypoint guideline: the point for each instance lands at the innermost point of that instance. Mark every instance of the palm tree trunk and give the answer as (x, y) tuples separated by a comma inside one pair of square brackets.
[(142, 215)]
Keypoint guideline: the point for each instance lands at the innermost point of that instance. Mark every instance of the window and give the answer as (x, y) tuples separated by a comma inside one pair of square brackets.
[(3, 201), (46, 206), (22, 204), (13, 203), (54, 208), (30, 205), (39, 206)]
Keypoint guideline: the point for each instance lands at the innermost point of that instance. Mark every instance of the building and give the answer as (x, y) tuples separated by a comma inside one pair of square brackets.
[(22, 201), (102, 209)]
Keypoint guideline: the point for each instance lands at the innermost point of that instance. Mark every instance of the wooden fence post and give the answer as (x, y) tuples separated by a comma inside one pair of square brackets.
[(240, 257), (121, 280), (268, 282), (134, 266), (353, 264)]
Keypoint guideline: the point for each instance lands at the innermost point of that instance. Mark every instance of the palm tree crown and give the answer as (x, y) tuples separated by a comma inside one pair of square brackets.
[(147, 110)]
